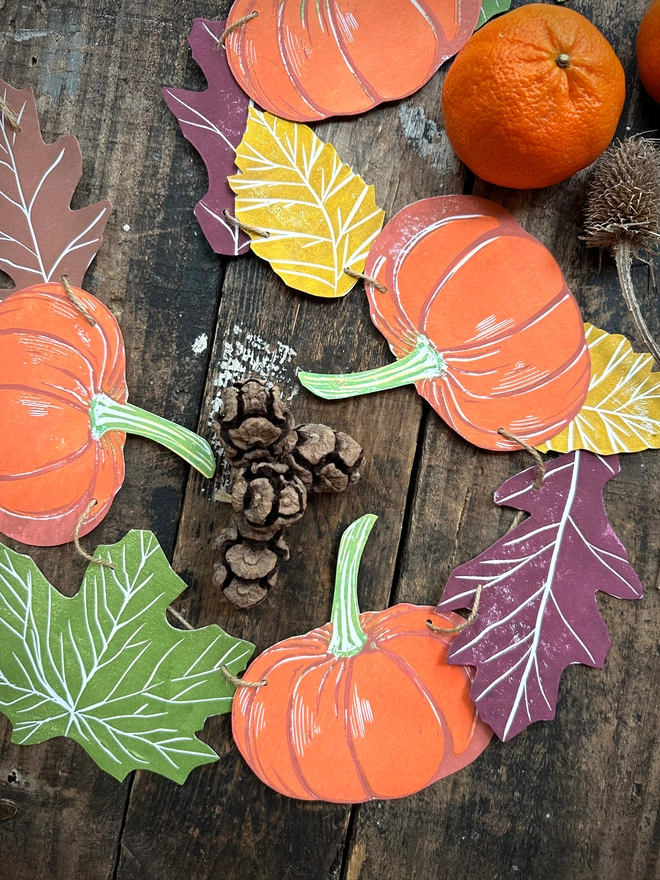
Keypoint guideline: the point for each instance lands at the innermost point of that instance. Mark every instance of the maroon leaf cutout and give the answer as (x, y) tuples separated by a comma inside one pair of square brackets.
[(214, 122), (538, 610), (41, 238)]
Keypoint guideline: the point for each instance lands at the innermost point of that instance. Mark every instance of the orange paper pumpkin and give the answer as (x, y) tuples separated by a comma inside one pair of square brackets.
[(309, 60), (482, 321), (64, 415), (364, 707)]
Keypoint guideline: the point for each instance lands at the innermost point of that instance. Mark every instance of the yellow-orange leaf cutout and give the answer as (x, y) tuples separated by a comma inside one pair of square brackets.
[(320, 215), (622, 409)]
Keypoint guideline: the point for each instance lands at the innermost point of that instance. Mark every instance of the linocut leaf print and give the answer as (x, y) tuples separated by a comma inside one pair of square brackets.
[(214, 122), (320, 216), (105, 668), (41, 238), (622, 409), (538, 610), (491, 8)]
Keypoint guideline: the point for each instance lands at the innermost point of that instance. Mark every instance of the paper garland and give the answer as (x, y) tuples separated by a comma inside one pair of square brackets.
[(479, 315), (622, 409), (538, 610), (41, 238), (364, 707), (64, 415), (214, 122), (307, 61), (105, 668), (318, 217)]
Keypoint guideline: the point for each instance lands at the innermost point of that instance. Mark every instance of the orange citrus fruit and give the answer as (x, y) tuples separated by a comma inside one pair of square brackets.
[(648, 50), (533, 97)]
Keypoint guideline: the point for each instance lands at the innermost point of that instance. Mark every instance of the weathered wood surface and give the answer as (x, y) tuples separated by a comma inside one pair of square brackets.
[(576, 798)]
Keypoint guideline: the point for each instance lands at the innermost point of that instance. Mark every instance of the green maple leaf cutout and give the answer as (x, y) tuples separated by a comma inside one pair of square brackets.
[(105, 668), (490, 8)]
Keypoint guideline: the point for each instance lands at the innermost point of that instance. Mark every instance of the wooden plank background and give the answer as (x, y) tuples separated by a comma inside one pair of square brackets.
[(576, 798)]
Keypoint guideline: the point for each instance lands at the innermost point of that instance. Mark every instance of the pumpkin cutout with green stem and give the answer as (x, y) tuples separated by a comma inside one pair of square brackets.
[(480, 317), (309, 60), (364, 707), (64, 415)]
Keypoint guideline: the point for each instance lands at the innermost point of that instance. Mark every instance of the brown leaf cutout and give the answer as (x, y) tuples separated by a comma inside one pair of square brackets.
[(41, 238)]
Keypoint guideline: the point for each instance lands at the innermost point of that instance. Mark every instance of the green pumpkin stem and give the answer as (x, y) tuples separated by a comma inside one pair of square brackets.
[(348, 636), (108, 415), (423, 362)]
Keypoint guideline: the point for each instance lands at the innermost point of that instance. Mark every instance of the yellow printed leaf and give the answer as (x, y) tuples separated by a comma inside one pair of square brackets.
[(321, 216), (622, 409)]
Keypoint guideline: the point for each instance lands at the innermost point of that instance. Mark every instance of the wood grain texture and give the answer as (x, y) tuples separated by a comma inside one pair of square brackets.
[(576, 798)]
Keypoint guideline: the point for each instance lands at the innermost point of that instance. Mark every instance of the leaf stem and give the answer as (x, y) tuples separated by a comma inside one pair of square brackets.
[(623, 257), (423, 362), (109, 415), (348, 637)]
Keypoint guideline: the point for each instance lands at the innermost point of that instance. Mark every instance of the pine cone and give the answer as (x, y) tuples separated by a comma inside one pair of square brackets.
[(255, 425), (267, 497), (245, 570), (325, 460)]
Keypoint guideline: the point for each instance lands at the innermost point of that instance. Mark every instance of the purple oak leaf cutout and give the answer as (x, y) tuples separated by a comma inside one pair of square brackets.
[(214, 121), (538, 610)]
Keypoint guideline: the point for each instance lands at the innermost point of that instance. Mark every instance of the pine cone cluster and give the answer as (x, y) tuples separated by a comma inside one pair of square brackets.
[(276, 465)]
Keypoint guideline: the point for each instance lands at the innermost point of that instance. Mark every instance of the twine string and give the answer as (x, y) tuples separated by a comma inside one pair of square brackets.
[(239, 682), (257, 230), (78, 303), (540, 465), (182, 620), (232, 27), (10, 116), (448, 630), (76, 539), (366, 279)]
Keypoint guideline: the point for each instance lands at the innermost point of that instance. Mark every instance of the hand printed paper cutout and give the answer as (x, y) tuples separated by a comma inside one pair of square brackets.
[(64, 415), (491, 8), (41, 238), (214, 122), (479, 315), (538, 610), (364, 707), (106, 669), (309, 60), (622, 409), (321, 217)]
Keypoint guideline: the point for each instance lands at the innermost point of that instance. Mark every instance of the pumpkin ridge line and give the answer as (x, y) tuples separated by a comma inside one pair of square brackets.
[(367, 790), (411, 673), (290, 718), (8, 478), (290, 71), (51, 395)]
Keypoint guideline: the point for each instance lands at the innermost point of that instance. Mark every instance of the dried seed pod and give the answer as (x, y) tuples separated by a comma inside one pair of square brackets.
[(255, 425), (622, 213), (324, 459), (244, 569), (267, 496)]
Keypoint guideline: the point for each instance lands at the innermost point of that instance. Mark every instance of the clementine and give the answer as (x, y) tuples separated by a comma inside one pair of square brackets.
[(648, 50), (533, 97)]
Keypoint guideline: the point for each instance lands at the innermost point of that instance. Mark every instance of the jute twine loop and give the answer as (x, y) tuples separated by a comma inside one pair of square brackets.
[(366, 279), (232, 27), (182, 620), (238, 682), (256, 229), (540, 465), (10, 116), (76, 539), (460, 626), (78, 303)]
